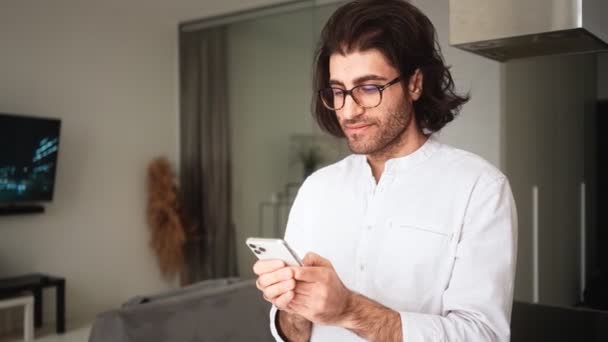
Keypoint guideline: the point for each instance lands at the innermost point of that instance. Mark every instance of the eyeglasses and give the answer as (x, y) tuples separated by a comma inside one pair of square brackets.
[(365, 95)]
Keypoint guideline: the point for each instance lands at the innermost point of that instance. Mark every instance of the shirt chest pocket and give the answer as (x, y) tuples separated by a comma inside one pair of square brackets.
[(412, 265)]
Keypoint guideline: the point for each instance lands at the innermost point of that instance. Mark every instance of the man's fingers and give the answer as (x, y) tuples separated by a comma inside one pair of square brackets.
[(267, 266), (310, 274), (299, 300), (274, 277), (304, 289), (313, 259), (283, 300), (272, 292)]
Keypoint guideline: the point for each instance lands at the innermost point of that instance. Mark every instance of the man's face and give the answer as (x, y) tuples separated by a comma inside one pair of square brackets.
[(370, 131)]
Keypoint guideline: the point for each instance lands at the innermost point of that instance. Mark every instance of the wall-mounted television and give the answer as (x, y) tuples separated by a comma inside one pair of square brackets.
[(29, 147)]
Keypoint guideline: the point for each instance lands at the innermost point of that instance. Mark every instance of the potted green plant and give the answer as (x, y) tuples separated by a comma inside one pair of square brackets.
[(310, 156)]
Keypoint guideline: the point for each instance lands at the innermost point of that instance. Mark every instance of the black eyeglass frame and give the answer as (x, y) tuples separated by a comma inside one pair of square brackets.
[(346, 92)]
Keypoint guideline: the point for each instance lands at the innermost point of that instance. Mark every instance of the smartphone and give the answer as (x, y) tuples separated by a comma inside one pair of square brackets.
[(266, 249)]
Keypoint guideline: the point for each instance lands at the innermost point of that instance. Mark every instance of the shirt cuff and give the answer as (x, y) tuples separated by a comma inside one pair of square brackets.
[(419, 327), (273, 324)]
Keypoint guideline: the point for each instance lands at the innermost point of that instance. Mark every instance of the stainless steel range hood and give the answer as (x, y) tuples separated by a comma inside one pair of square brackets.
[(510, 29)]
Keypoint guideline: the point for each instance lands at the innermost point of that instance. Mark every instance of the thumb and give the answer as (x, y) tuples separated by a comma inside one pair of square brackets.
[(313, 259)]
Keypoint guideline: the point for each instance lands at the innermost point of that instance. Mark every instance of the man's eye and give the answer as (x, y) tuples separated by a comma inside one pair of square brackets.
[(368, 89), (338, 92)]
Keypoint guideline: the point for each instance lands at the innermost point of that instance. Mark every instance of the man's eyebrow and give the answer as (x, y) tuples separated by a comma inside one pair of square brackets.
[(360, 80)]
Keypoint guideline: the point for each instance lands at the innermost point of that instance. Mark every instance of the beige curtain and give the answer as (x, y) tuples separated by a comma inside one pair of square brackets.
[(205, 168)]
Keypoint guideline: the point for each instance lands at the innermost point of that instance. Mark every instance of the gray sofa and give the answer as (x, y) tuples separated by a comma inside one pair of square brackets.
[(232, 310), (215, 310)]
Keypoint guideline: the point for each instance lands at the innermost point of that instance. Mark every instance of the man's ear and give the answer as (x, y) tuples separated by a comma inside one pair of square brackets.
[(415, 85)]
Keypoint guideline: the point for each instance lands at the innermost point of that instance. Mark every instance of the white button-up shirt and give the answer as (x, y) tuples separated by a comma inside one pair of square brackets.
[(434, 239)]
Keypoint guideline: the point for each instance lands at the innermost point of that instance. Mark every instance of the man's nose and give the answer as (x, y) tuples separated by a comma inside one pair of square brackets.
[(351, 108)]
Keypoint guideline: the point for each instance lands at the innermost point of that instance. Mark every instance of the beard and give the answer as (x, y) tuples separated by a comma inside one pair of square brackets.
[(384, 134)]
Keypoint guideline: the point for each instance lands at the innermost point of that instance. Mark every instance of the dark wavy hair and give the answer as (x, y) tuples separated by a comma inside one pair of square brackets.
[(407, 38)]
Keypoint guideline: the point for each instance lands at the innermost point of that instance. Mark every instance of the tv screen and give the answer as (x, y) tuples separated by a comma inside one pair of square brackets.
[(28, 158)]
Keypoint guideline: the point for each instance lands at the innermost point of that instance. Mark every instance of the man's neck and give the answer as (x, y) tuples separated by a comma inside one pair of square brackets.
[(408, 143)]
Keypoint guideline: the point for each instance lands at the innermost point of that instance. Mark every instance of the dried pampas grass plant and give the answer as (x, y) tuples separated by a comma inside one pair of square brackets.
[(167, 235)]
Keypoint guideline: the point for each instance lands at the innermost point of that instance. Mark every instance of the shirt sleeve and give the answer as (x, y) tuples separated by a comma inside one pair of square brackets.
[(273, 324), (478, 300)]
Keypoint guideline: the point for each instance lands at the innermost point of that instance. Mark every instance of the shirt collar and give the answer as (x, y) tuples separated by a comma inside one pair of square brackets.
[(407, 162)]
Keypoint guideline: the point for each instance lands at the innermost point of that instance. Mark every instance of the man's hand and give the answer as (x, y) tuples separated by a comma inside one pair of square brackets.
[(320, 295), (315, 293), (276, 281)]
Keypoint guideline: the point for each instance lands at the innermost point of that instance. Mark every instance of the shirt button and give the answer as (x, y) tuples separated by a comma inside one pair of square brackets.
[(362, 267), (369, 227)]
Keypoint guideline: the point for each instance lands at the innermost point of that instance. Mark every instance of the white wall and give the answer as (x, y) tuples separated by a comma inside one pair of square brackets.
[(109, 71)]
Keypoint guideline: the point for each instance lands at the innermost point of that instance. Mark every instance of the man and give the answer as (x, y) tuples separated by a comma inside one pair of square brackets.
[(407, 239)]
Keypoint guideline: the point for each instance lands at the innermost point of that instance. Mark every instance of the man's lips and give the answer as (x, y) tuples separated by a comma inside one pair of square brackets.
[(357, 127)]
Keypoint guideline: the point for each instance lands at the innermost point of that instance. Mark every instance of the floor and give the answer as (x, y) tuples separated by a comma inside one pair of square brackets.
[(77, 333)]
